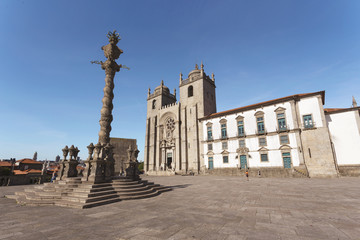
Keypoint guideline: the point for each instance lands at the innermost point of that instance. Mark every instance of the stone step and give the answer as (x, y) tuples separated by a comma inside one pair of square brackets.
[(128, 185), (90, 190), (136, 189), (48, 193), (63, 203), (125, 182), (91, 199), (88, 195), (134, 193), (97, 185), (40, 198)]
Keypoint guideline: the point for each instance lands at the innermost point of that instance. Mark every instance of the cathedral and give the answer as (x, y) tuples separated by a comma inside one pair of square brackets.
[(280, 137)]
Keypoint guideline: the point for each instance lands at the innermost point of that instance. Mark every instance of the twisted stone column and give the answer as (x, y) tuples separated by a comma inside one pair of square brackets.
[(111, 52)]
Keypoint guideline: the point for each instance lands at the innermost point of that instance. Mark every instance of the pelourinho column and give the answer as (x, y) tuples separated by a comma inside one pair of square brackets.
[(111, 52)]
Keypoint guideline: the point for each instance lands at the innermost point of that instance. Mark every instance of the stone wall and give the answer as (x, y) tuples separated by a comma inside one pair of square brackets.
[(120, 151), (268, 172), (349, 171), (24, 179)]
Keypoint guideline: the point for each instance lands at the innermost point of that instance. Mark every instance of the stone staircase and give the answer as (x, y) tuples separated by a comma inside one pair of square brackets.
[(74, 193), (302, 171)]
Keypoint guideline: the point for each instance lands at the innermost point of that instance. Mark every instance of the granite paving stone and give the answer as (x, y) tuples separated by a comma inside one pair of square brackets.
[(201, 207)]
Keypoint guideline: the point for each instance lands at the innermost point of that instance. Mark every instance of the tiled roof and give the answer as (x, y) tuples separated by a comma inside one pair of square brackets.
[(19, 172), (339, 110), (266, 103), (5, 164), (28, 161)]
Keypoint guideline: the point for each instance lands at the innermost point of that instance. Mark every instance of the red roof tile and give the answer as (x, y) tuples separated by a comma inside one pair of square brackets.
[(5, 164), (338, 110), (28, 161), (266, 103)]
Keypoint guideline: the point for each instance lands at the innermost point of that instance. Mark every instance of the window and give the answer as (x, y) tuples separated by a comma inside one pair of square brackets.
[(284, 139), (224, 145), (154, 104), (264, 157), (241, 131), (262, 141), (209, 133), (225, 159), (242, 143), (190, 91), (223, 130), (308, 123), (281, 121), (260, 125), (210, 147)]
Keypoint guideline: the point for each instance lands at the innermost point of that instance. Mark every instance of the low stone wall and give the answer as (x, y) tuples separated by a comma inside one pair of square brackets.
[(23, 179), (255, 172), (349, 170)]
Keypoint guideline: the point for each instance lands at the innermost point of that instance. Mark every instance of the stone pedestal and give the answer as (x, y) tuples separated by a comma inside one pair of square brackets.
[(132, 171), (96, 171), (86, 172), (70, 169)]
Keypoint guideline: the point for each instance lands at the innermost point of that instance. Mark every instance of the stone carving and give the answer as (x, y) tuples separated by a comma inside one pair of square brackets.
[(132, 170), (170, 127), (68, 167), (111, 52)]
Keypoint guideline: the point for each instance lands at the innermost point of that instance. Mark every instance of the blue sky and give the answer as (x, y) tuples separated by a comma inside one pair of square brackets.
[(50, 94)]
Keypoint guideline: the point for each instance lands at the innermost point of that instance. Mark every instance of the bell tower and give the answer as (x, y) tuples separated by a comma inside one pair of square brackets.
[(197, 98)]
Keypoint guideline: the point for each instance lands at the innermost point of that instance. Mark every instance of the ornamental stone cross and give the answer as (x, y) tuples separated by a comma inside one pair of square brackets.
[(111, 52)]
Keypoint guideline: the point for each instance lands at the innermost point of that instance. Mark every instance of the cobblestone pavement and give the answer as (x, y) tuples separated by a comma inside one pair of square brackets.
[(201, 207)]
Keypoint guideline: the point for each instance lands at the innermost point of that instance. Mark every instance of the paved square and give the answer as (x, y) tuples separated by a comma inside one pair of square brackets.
[(201, 207)]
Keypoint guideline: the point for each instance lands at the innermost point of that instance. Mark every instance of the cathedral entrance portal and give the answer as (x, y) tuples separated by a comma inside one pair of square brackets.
[(169, 160)]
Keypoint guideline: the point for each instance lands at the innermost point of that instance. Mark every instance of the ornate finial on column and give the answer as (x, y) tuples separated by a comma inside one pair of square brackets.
[(175, 92), (111, 52), (202, 69), (354, 103), (76, 152), (149, 91), (162, 83), (196, 67), (71, 152), (180, 79), (213, 77), (91, 150), (65, 151)]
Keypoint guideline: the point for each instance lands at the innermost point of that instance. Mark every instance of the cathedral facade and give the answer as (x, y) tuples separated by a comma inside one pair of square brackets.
[(286, 136), (173, 131)]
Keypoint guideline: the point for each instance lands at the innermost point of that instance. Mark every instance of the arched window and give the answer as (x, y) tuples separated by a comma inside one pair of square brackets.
[(190, 91), (154, 104)]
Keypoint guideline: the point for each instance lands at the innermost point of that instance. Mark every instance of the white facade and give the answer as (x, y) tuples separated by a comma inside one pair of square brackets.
[(344, 127), (301, 140), (273, 147)]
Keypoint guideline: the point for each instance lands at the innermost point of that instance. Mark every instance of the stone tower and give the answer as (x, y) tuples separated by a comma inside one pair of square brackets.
[(197, 98), (173, 132)]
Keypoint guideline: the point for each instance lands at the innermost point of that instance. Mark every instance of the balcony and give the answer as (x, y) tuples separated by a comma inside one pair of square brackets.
[(309, 125), (261, 132), (223, 137), (241, 134), (285, 128)]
